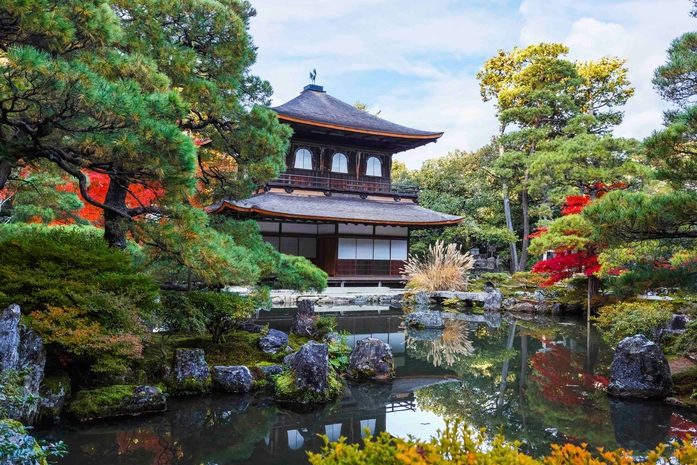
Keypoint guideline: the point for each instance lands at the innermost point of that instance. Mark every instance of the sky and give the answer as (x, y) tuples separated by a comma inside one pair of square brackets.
[(416, 61)]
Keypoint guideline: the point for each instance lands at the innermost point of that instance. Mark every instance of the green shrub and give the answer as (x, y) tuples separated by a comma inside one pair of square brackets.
[(324, 325), (218, 312), (629, 318), (459, 444), (298, 273), (497, 278), (18, 448), (86, 300)]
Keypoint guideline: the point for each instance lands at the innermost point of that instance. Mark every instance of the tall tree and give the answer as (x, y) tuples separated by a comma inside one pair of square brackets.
[(537, 93), (111, 87)]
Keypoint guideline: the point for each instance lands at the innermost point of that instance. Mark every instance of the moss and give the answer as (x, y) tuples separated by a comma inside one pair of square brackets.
[(240, 348), (113, 401), (296, 341), (287, 390), (101, 402), (188, 386), (54, 383)]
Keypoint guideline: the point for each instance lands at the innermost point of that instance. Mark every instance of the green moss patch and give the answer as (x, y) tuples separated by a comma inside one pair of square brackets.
[(287, 390), (685, 386), (112, 401)]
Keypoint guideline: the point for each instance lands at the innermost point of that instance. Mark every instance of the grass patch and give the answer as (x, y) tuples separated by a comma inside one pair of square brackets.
[(96, 403)]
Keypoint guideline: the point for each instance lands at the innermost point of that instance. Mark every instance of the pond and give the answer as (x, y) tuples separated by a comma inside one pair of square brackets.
[(539, 379)]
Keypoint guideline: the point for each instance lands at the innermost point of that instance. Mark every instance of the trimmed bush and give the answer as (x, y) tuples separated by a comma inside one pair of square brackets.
[(629, 318)]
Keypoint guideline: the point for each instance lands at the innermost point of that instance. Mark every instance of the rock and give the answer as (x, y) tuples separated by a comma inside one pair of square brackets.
[(190, 374), (9, 337), (425, 320), (115, 401), (677, 324), (288, 359), (371, 359), (524, 307), (274, 341), (271, 370), (251, 328), (557, 309), (639, 370), (277, 300), (304, 320), (54, 393), (237, 379), (492, 301), (539, 295), (332, 338), (310, 379), (544, 308), (640, 426), (491, 263), (22, 350), (510, 303), (421, 298), (32, 359), (424, 334)]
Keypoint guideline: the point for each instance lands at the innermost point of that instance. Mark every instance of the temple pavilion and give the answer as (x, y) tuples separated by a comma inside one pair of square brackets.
[(336, 204)]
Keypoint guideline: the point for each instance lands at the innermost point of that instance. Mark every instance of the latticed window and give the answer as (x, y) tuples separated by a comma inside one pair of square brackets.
[(374, 167), (303, 159), (339, 163)]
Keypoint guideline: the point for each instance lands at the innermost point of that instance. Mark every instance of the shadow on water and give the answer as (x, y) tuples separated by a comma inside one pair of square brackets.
[(540, 379)]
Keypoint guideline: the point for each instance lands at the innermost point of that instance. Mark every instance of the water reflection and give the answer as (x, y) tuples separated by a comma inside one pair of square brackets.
[(540, 379)]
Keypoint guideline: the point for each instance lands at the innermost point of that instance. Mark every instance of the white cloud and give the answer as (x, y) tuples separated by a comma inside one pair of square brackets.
[(416, 61)]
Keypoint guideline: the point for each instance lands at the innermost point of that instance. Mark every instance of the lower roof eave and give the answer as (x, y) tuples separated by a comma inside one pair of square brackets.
[(259, 213)]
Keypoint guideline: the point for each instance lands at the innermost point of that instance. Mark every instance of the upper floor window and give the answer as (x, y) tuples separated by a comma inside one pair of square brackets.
[(303, 159), (339, 163), (374, 167)]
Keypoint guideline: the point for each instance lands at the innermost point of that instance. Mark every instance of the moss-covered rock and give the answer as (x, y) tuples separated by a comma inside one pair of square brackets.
[(54, 393), (191, 374), (118, 400), (310, 378)]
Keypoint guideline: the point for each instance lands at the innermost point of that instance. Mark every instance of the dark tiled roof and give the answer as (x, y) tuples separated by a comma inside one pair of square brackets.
[(349, 209), (320, 107)]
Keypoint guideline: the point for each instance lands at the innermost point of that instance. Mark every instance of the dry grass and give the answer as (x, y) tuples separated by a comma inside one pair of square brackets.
[(442, 269), (453, 344)]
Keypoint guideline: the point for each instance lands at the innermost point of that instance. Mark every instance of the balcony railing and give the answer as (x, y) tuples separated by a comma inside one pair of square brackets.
[(343, 183)]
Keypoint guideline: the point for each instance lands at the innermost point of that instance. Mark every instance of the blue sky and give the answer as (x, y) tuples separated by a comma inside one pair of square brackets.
[(416, 61)]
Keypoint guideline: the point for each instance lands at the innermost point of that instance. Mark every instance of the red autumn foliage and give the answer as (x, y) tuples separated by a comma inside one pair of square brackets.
[(565, 264), (99, 184), (559, 371), (164, 448), (681, 428), (575, 204)]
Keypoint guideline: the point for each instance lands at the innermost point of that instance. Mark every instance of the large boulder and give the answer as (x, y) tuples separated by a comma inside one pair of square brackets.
[(9, 337), (510, 303), (371, 359), (190, 374), (274, 341), (237, 379), (310, 379), (421, 299), (425, 320), (115, 401), (492, 301), (677, 324), (639, 370), (304, 320), (22, 351), (54, 392), (524, 307)]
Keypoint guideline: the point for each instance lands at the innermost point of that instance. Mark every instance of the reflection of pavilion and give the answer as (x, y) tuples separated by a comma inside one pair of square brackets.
[(364, 406)]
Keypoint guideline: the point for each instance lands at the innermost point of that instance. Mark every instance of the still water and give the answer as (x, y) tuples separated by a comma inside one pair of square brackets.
[(540, 379)]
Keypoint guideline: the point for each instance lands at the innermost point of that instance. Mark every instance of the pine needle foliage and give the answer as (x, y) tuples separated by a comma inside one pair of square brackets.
[(443, 268)]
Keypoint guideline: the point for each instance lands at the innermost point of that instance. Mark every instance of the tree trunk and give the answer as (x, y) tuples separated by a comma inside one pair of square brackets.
[(507, 212), (509, 225), (5, 170), (116, 226), (593, 290), (525, 204)]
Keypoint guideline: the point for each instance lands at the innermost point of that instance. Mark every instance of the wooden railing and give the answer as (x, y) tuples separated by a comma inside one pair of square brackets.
[(337, 182)]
